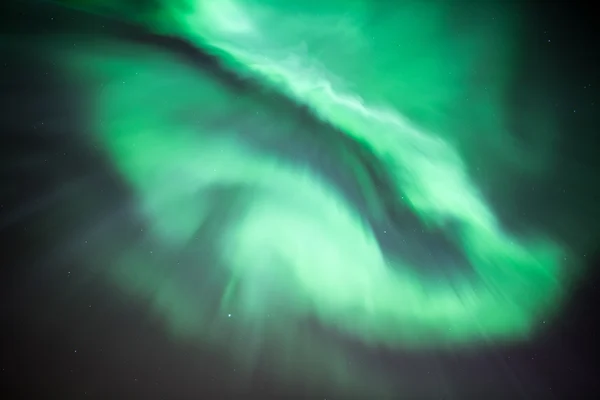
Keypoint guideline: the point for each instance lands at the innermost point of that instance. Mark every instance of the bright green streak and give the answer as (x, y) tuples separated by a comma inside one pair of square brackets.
[(393, 79)]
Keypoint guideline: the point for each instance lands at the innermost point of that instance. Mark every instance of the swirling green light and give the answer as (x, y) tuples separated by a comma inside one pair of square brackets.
[(392, 80)]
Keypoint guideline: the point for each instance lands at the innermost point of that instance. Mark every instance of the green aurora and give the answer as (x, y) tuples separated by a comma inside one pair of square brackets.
[(272, 241)]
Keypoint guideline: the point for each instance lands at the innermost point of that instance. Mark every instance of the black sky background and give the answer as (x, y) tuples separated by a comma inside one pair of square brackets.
[(98, 345)]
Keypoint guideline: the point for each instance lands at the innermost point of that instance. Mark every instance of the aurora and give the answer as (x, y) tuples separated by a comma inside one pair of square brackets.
[(293, 194)]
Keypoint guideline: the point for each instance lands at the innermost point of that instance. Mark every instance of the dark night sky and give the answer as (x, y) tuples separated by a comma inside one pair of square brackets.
[(65, 338)]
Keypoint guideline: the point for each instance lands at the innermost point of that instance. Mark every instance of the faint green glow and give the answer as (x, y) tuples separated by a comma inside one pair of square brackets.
[(400, 81)]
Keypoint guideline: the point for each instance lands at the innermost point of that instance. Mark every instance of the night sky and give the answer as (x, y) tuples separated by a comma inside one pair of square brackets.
[(321, 200)]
